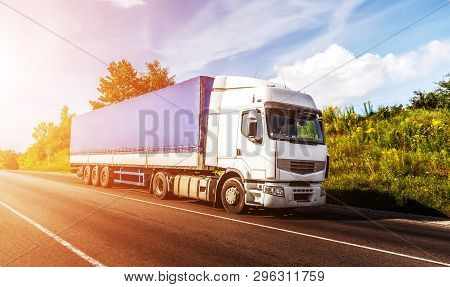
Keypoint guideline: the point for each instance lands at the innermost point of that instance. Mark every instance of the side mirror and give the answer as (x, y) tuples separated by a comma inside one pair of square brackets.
[(252, 129), (252, 116), (252, 126)]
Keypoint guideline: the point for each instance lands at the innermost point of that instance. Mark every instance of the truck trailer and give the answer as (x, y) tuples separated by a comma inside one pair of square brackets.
[(236, 142)]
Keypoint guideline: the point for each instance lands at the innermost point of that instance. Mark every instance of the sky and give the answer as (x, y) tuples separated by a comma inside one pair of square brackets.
[(291, 42)]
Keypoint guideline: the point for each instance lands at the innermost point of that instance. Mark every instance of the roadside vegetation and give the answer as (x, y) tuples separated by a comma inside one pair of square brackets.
[(51, 149), (393, 158), (8, 159)]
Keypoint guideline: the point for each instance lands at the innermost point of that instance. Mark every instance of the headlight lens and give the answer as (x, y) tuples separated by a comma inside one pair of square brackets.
[(274, 190)]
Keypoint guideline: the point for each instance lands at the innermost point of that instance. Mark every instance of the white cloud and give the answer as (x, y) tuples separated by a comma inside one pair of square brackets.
[(338, 28), (362, 75), (125, 3), (418, 62), (225, 28)]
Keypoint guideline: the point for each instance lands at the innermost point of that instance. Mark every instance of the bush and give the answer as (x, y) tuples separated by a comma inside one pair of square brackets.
[(8, 159), (437, 99)]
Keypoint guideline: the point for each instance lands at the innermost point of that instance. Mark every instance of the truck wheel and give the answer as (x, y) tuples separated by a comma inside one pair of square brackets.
[(160, 186), (233, 196), (95, 175), (87, 175), (106, 179)]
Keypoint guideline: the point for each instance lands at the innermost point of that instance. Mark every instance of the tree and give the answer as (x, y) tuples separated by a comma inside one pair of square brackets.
[(42, 131), (439, 98), (8, 159), (157, 77), (60, 135), (123, 82), (51, 148)]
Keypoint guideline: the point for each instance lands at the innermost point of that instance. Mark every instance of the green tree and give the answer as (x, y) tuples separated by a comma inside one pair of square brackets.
[(59, 135), (51, 149), (123, 82)]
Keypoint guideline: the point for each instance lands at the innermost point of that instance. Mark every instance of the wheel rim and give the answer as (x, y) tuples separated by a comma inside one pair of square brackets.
[(231, 195)]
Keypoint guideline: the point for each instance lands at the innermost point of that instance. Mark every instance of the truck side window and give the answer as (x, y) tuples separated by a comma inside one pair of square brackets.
[(244, 125)]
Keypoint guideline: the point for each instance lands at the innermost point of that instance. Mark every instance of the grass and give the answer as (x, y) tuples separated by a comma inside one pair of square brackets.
[(398, 161)]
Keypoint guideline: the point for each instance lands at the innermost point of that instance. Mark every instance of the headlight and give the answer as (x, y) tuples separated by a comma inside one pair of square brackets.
[(274, 190), (322, 191)]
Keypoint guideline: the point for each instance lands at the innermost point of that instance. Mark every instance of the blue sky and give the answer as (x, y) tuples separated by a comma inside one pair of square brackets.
[(361, 26), (300, 40)]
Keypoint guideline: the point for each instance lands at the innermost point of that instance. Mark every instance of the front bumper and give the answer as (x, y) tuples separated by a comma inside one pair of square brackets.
[(294, 196)]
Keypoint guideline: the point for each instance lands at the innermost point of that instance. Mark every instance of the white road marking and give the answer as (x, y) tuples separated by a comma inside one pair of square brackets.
[(265, 226), (55, 237)]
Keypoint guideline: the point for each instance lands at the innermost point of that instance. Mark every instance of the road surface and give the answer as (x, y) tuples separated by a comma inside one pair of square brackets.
[(49, 219)]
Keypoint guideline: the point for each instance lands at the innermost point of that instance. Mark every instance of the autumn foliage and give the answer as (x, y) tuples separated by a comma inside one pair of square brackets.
[(123, 82)]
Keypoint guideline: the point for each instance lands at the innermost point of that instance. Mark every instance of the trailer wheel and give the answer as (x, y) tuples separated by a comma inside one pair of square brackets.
[(95, 176), (87, 175), (233, 196), (160, 186), (106, 179)]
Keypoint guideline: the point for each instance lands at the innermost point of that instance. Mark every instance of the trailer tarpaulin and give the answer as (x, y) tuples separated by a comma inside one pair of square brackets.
[(173, 119)]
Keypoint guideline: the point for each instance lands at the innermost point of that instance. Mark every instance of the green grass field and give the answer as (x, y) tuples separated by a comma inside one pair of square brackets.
[(395, 159)]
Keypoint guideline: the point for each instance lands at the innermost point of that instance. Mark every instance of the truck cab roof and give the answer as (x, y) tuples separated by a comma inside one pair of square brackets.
[(237, 82), (263, 91)]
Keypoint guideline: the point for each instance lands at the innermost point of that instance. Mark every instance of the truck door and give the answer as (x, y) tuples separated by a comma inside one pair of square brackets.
[(249, 144)]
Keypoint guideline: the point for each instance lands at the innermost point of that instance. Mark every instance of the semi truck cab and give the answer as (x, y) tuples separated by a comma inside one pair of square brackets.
[(271, 138)]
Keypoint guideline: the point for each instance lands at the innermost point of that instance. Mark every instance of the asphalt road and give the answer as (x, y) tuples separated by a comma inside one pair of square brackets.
[(49, 219)]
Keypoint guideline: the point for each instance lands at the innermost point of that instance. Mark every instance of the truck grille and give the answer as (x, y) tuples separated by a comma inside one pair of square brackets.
[(304, 190), (301, 166), (302, 196)]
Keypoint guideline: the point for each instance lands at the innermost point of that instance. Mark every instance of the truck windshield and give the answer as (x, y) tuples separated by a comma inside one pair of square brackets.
[(295, 127)]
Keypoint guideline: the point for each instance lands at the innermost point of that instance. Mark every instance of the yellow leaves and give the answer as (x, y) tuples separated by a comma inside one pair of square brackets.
[(436, 122), (371, 131)]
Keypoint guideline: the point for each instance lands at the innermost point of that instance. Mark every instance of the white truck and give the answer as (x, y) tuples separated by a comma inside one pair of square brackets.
[(233, 141)]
